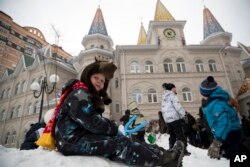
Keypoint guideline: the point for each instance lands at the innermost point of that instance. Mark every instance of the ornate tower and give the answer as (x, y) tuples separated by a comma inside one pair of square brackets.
[(164, 30), (98, 35), (96, 43), (214, 34)]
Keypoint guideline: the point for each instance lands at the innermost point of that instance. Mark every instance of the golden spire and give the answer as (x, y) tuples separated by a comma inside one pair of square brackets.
[(161, 13), (142, 36)]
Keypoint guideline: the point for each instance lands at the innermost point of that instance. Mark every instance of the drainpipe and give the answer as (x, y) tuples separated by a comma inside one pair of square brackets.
[(224, 67)]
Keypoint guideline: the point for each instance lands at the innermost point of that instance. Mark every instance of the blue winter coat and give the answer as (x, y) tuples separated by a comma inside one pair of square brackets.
[(221, 116)]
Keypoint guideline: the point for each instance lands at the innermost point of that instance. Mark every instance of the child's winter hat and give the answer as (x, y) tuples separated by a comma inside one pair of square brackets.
[(100, 65), (168, 86), (105, 67), (207, 86)]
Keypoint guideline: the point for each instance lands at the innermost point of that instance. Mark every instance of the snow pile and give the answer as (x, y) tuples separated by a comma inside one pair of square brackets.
[(11, 157)]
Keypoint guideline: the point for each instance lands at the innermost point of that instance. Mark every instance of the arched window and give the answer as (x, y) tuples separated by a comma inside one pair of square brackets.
[(134, 67), (199, 66), (8, 93), (116, 83), (148, 67), (168, 65), (187, 95), (241, 75), (1, 96), (30, 109), (101, 46), (37, 107), (13, 138), (212, 65), (12, 113), (18, 88), (24, 86), (8, 138), (18, 111), (180, 65), (4, 94), (137, 96), (152, 96), (2, 115)]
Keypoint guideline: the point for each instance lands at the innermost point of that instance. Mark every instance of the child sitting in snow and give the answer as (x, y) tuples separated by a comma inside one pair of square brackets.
[(79, 128)]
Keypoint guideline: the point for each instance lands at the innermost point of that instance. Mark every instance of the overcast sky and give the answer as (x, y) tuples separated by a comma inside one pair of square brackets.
[(73, 18)]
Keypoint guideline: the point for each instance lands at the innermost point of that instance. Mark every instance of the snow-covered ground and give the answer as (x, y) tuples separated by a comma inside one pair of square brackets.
[(11, 157)]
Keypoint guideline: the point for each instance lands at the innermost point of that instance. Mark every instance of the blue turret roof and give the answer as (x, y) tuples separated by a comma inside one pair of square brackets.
[(98, 24), (211, 25)]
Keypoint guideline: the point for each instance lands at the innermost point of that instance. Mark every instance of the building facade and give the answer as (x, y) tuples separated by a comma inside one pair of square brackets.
[(16, 40), (161, 56)]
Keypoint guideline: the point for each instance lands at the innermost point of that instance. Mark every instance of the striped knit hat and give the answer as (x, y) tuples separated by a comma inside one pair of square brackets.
[(207, 86)]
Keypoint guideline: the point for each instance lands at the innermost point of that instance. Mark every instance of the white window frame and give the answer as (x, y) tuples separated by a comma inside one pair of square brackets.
[(186, 95), (199, 66), (2, 115), (212, 65), (12, 113), (137, 96), (9, 93), (180, 63), (18, 88), (30, 109), (13, 138), (18, 111), (24, 86), (8, 138), (37, 107), (134, 67), (149, 68), (152, 96), (168, 65)]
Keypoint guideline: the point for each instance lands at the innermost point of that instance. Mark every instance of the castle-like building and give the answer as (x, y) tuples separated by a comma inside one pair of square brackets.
[(161, 55)]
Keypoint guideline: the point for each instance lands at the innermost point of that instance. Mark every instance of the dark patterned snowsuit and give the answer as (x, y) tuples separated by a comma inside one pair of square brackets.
[(80, 130)]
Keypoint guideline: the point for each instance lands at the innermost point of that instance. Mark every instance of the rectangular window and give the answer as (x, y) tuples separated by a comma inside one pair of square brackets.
[(199, 68), (152, 98), (187, 96), (137, 98), (212, 67), (168, 67), (13, 139), (117, 108), (116, 83)]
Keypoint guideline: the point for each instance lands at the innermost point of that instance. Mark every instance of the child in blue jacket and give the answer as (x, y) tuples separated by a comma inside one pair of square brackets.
[(223, 121)]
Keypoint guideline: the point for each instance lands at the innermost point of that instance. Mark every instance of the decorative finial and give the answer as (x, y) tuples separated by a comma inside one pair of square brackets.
[(141, 21), (204, 4), (99, 3)]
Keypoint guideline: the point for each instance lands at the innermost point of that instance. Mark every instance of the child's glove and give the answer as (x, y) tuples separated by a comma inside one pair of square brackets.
[(214, 149)]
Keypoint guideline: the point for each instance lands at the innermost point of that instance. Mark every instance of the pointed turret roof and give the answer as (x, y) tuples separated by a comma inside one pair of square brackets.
[(161, 13), (98, 24), (142, 36), (211, 25)]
